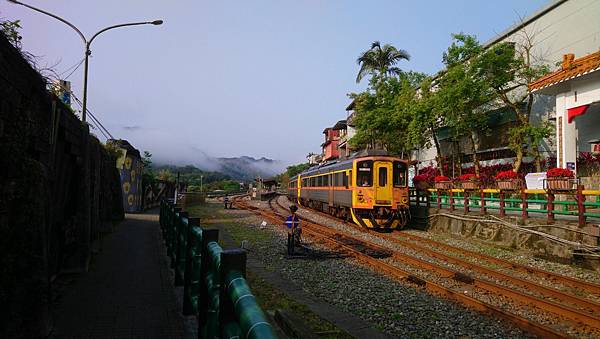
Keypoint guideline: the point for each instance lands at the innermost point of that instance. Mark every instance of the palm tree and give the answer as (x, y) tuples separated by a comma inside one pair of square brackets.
[(380, 60)]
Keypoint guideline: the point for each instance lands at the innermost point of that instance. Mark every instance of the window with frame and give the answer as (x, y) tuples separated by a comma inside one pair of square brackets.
[(383, 172), (364, 175), (399, 174)]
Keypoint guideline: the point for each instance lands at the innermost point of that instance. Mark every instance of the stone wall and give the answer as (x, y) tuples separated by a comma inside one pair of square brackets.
[(59, 189)]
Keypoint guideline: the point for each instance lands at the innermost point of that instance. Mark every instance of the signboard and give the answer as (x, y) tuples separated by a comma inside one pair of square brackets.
[(535, 181)]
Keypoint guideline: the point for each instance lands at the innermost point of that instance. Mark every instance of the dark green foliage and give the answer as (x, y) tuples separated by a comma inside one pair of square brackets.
[(384, 113)]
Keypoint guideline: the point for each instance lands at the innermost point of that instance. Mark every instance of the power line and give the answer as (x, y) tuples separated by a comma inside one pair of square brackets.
[(99, 125), (70, 68), (73, 71)]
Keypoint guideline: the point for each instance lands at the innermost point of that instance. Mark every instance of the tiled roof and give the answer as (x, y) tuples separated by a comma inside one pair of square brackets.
[(570, 68)]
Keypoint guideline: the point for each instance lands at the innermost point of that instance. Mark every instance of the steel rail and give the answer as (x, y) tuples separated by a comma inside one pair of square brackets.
[(558, 309), (526, 324), (556, 278)]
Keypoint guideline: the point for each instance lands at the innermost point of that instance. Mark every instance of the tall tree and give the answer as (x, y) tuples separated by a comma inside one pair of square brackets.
[(462, 94), (383, 113), (508, 68), (380, 60)]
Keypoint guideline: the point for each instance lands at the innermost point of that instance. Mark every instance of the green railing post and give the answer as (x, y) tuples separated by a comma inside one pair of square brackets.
[(206, 299), (180, 246), (231, 260), (171, 232), (241, 317), (191, 274)]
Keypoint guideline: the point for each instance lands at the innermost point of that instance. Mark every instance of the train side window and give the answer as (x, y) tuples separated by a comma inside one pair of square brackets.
[(383, 176), (345, 180), (364, 176), (326, 180), (399, 174)]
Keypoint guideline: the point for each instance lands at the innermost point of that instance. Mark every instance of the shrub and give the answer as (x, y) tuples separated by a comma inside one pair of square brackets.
[(559, 173)]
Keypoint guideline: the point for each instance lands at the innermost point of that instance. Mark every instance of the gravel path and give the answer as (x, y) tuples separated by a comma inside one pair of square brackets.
[(399, 309)]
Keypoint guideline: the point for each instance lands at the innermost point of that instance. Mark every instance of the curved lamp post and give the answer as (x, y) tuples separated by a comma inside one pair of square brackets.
[(86, 43)]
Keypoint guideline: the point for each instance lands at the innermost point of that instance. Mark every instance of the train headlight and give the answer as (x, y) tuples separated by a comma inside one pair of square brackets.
[(404, 200)]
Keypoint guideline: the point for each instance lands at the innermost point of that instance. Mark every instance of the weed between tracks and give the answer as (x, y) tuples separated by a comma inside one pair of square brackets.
[(235, 224)]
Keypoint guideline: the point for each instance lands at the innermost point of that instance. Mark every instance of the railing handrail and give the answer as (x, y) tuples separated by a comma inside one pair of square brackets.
[(212, 278), (485, 199)]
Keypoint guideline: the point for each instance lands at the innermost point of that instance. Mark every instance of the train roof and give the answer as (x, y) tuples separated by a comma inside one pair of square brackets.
[(342, 164)]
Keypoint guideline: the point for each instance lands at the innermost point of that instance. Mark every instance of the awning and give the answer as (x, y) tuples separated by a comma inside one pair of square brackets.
[(576, 111)]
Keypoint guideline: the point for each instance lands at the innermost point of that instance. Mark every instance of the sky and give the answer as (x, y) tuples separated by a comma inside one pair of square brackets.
[(230, 78)]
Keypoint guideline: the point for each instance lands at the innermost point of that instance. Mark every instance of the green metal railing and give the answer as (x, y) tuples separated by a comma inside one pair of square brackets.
[(213, 279), (580, 203)]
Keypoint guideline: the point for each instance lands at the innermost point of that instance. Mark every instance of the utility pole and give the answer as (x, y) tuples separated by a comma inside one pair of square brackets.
[(201, 176), (86, 43)]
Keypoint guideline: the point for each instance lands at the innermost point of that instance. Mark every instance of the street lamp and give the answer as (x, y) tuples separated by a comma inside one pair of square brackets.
[(86, 43)]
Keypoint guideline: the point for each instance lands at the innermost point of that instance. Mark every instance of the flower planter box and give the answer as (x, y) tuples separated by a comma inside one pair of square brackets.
[(560, 184), (443, 185), (510, 184), (469, 185)]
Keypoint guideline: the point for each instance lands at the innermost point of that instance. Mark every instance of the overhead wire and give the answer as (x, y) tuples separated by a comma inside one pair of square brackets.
[(95, 121)]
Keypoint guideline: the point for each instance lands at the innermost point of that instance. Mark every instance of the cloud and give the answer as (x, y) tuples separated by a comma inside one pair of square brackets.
[(132, 128)]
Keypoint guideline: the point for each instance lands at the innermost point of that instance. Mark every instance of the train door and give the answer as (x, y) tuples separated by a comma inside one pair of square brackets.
[(383, 185), (330, 189)]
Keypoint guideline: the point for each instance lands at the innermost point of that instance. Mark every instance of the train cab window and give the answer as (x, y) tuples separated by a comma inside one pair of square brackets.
[(382, 176), (399, 174), (364, 175)]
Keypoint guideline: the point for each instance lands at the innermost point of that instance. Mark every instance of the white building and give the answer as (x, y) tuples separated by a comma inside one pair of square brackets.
[(561, 27)]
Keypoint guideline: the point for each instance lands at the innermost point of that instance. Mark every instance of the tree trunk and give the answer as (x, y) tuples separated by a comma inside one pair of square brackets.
[(475, 157), (518, 160), (537, 158), (438, 151)]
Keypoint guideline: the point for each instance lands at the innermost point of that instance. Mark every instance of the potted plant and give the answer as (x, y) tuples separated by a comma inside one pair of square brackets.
[(559, 179), (422, 181), (509, 180), (469, 181), (442, 182)]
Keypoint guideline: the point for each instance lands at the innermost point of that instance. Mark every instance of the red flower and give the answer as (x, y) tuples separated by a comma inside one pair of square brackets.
[(506, 175), (559, 173), (441, 178), (468, 177), (423, 178)]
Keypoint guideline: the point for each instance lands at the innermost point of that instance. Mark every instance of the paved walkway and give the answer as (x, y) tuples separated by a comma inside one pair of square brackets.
[(128, 292)]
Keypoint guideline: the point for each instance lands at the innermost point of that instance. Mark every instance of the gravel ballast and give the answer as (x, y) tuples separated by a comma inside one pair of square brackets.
[(399, 309)]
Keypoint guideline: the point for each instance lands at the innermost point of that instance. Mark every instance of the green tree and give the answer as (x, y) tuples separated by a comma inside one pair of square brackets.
[(384, 113), (461, 94), (10, 29), (426, 120), (380, 61), (508, 68)]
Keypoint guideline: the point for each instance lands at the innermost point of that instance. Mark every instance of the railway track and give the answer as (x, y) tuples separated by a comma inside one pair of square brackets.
[(455, 283)]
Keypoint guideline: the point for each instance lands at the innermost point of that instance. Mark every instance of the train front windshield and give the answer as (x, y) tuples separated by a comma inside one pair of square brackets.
[(364, 175), (399, 174)]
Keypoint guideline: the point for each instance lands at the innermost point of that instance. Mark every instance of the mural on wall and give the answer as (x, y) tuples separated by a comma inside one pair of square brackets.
[(130, 168)]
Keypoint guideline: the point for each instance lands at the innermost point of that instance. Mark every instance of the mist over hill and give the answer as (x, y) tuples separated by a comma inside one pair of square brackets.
[(242, 168)]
